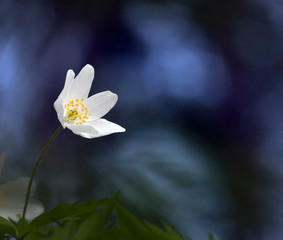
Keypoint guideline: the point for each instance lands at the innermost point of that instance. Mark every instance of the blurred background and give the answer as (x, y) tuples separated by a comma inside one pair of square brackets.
[(200, 94)]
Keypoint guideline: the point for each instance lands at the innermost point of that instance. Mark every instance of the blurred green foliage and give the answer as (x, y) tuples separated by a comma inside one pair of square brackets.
[(103, 219)]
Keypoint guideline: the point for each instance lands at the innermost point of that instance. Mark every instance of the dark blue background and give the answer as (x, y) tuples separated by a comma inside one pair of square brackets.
[(200, 94)]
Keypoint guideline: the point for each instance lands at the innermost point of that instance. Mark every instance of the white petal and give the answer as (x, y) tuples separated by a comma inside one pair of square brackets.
[(14, 211), (16, 188), (34, 209), (83, 130), (100, 104), (96, 128), (104, 127), (82, 83), (12, 198), (70, 76), (12, 208), (62, 99)]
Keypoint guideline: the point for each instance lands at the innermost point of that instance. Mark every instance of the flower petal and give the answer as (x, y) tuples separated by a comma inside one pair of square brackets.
[(100, 104), (59, 103), (96, 128), (12, 198), (83, 130), (82, 83), (14, 212), (14, 208), (104, 127), (16, 188), (34, 209)]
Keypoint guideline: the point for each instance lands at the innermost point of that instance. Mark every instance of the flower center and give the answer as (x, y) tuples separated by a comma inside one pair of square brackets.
[(76, 112)]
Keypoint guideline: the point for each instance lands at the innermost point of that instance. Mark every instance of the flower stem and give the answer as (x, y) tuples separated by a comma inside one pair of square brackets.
[(35, 167)]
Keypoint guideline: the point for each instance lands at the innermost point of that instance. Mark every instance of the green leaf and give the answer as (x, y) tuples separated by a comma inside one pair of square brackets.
[(95, 224), (130, 225), (156, 231), (133, 229), (173, 233), (67, 211), (26, 229), (7, 227), (106, 219), (89, 226)]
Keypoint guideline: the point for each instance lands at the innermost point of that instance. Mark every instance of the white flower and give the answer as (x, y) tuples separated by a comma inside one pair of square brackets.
[(12, 198), (82, 114)]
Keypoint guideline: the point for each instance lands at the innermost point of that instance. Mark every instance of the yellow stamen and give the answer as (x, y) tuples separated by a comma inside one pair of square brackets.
[(76, 112)]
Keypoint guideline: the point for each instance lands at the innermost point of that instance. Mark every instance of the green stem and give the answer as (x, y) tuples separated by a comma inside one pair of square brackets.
[(35, 167)]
